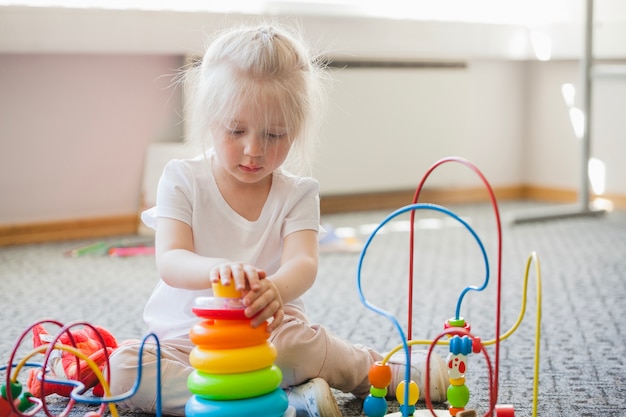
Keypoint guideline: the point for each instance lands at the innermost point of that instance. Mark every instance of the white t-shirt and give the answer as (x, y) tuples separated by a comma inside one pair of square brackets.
[(187, 192)]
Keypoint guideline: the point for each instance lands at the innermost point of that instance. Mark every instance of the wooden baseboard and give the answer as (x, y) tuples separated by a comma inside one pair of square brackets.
[(388, 200), (396, 199), (68, 229)]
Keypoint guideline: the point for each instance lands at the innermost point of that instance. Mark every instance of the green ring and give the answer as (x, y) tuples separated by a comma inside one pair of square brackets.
[(234, 386)]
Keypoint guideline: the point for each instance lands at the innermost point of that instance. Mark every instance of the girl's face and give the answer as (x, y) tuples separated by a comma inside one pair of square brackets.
[(249, 147)]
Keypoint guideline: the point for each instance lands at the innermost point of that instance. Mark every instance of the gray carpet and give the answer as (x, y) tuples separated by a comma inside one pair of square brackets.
[(583, 264)]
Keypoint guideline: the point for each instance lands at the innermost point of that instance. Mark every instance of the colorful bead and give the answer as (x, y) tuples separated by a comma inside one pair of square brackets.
[(460, 345), (16, 390), (455, 410), (457, 366), (407, 410), (457, 381), (458, 395), (380, 375), (414, 392), (374, 406), (24, 402), (504, 410), (378, 392), (457, 322)]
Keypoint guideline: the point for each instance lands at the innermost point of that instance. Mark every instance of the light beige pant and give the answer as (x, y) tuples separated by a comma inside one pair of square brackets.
[(305, 351)]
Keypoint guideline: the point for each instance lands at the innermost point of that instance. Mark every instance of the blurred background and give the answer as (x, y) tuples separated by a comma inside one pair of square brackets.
[(89, 113)]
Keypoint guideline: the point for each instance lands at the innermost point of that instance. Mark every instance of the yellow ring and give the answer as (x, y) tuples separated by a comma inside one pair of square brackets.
[(230, 361), (227, 334), (234, 386)]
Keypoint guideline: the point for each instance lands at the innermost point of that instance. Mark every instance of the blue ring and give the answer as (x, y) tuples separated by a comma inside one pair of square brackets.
[(273, 404)]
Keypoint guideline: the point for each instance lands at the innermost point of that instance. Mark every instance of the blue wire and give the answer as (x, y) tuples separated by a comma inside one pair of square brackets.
[(384, 313), (76, 393), (27, 364)]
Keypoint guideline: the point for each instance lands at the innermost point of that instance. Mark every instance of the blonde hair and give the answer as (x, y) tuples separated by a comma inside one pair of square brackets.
[(264, 63)]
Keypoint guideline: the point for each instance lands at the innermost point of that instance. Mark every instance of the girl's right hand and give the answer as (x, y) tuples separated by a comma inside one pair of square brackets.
[(244, 277)]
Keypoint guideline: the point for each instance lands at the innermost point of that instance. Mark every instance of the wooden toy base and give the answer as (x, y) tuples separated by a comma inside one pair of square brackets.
[(422, 413)]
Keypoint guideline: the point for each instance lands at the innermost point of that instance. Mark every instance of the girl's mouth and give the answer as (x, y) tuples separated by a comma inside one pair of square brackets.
[(250, 168)]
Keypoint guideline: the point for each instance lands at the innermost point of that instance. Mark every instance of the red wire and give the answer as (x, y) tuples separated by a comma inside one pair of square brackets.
[(16, 346), (492, 381), (51, 347), (494, 203)]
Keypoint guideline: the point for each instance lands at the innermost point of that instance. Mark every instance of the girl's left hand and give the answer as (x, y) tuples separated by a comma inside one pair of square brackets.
[(263, 303)]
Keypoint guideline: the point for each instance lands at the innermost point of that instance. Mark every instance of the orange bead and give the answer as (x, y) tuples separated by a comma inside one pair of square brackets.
[(380, 375), (455, 410)]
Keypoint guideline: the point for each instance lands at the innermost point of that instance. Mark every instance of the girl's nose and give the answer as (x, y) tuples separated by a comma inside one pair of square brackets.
[(253, 146)]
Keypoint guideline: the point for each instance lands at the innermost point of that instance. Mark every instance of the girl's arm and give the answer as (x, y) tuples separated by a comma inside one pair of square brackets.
[(180, 267), (178, 264), (295, 276)]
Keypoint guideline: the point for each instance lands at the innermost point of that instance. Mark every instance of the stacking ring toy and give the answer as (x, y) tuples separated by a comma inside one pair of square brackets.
[(234, 386), (230, 361), (219, 308), (225, 291), (273, 404), (227, 334)]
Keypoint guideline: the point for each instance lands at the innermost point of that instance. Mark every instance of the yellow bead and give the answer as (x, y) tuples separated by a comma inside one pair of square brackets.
[(457, 381), (414, 392)]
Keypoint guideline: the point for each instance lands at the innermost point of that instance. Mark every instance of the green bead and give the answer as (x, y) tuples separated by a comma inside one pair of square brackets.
[(24, 402), (16, 390), (454, 322), (458, 395), (378, 392)]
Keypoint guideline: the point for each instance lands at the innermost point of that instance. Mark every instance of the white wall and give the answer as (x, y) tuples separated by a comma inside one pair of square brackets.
[(387, 126), (76, 125), (553, 156), (75, 129)]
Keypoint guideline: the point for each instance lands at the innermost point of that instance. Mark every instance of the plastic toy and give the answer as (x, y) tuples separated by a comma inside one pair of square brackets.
[(88, 341), (83, 358), (234, 366), (235, 374), (457, 331)]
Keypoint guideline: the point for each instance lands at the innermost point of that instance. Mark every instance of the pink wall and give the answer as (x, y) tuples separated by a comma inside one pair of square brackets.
[(74, 130)]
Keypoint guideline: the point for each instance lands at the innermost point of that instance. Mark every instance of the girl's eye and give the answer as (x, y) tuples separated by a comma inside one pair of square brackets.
[(235, 132), (275, 135)]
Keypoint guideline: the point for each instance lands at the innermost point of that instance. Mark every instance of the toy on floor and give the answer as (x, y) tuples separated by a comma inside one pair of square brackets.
[(73, 360), (95, 342), (234, 366), (457, 331)]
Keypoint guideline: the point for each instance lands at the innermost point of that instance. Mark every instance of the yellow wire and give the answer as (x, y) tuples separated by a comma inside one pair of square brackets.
[(531, 259), (80, 355)]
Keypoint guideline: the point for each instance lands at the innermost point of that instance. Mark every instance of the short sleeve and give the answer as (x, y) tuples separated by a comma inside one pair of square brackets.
[(173, 195), (305, 211)]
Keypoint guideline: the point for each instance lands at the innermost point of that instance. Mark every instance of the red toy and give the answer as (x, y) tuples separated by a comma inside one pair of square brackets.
[(66, 365)]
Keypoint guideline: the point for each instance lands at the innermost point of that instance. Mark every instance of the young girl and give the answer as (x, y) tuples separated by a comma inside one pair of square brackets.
[(234, 216)]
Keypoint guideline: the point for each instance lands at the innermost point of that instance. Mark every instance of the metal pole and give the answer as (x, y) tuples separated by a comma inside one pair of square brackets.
[(583, 208), (587, 62)]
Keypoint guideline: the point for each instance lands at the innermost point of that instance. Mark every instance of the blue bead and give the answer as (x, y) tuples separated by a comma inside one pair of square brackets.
[(407, 410), (460, 345), (374, 406)]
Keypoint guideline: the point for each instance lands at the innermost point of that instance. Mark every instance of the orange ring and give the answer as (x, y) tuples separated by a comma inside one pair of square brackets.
[(227, 334), (230, 361)]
